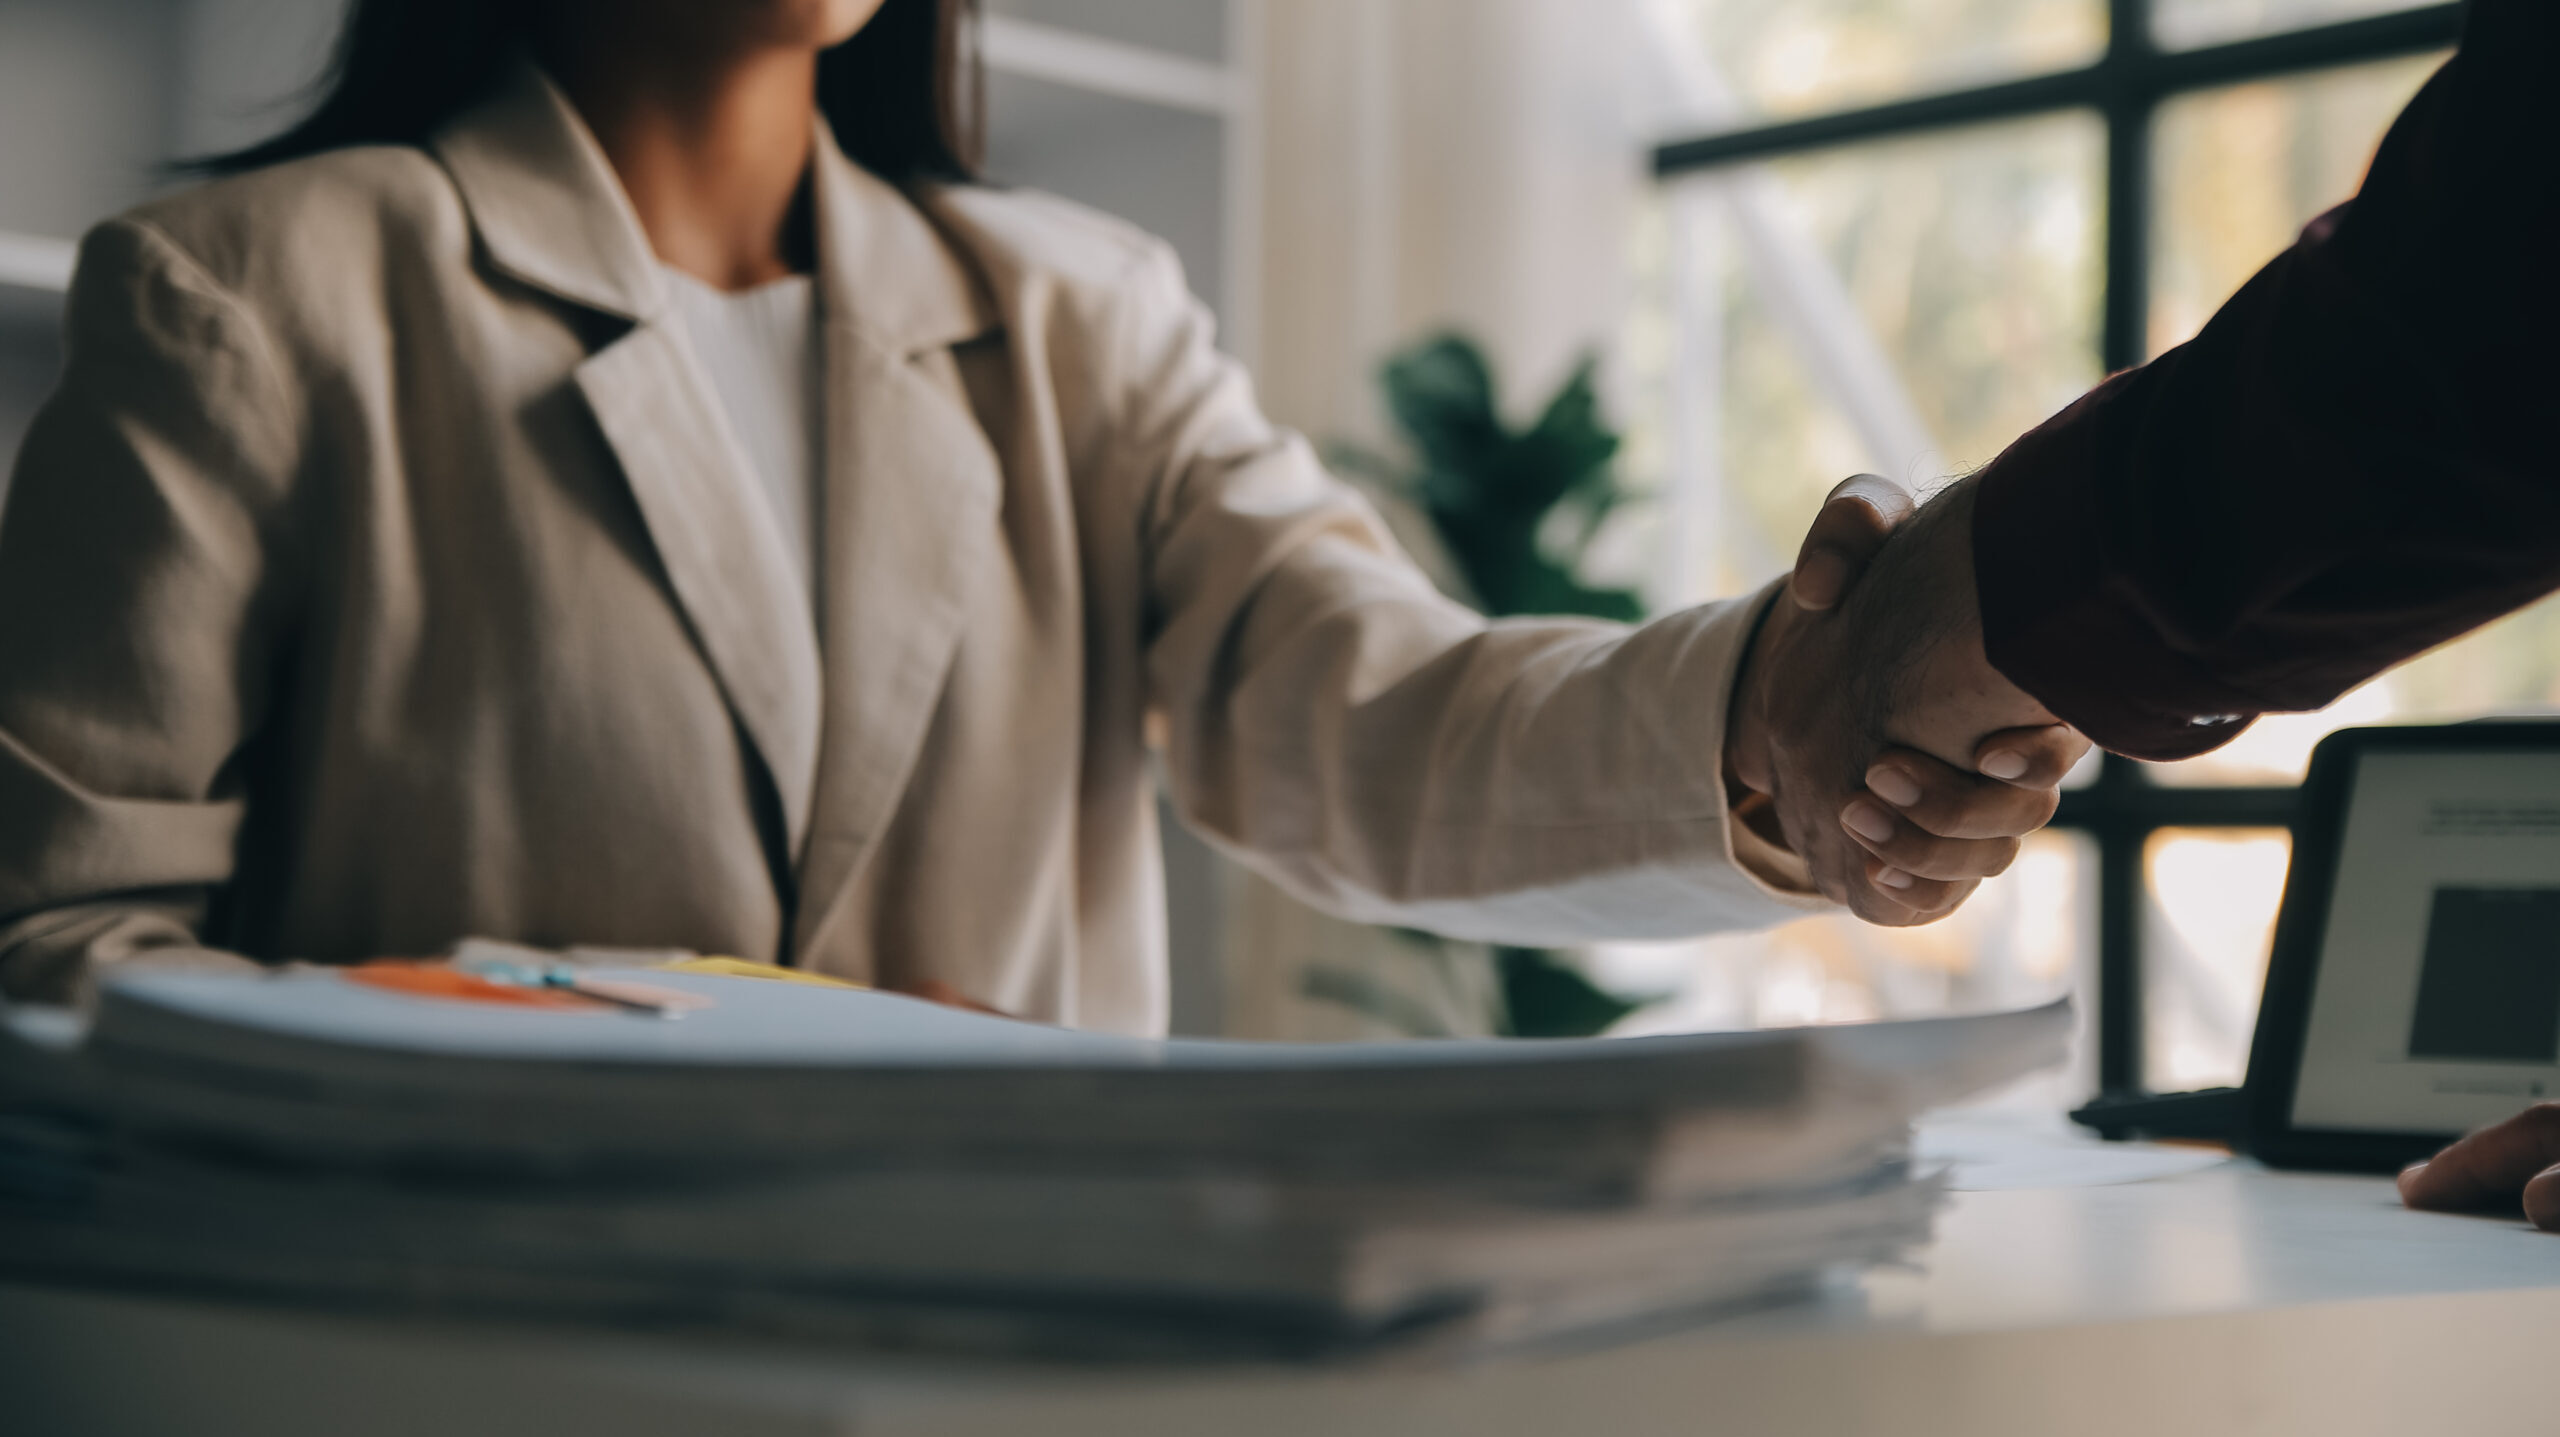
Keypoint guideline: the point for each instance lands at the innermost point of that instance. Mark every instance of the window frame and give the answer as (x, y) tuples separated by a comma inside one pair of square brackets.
[(2125, 86)]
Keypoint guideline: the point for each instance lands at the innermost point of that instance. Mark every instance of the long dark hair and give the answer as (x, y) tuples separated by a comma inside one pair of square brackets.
[(904, 95)]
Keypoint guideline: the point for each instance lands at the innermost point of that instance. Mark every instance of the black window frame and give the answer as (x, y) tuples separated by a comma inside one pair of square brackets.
[(2125, 86)]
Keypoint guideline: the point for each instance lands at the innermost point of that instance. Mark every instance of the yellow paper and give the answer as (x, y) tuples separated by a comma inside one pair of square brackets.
[(741, 968)]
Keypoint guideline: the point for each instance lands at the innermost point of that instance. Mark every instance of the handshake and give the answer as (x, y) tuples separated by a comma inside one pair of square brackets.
[(1869, 733)]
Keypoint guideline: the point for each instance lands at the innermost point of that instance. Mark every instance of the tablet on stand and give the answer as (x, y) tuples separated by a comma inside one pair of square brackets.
[(2413, 992)]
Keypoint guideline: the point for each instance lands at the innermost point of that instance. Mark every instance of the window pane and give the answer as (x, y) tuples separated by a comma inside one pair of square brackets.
[(2206, 932), (1908, 307), (1790, 57), (2185, 24), (2240, 171)]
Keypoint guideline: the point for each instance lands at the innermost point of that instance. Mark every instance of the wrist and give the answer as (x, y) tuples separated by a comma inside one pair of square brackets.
[(1746, 766), (1950, 697)]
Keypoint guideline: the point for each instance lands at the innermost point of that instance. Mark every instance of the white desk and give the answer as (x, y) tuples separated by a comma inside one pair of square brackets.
[(2226, 1301)]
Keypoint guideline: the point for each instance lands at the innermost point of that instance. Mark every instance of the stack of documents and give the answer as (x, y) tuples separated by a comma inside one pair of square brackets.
[(775, 1157)]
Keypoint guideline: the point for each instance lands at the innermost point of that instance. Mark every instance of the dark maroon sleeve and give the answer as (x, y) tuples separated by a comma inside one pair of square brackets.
[(2357, 459)]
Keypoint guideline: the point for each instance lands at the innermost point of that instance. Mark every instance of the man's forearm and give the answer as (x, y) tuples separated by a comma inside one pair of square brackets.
[(2349, 465)]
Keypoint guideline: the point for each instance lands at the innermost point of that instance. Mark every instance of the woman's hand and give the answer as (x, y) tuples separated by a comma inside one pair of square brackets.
[(1932, 832), (1897, 835)]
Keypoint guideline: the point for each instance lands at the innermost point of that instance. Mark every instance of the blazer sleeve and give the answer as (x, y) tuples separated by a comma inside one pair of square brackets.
[(144, 575), (2352, 463), (1386, 753)]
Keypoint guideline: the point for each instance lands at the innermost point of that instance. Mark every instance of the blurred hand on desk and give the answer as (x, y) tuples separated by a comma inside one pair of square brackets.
[(2495, 1167)]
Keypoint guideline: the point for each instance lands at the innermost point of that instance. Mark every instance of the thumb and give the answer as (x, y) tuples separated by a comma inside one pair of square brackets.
[(1856, 518), (2036, 756)]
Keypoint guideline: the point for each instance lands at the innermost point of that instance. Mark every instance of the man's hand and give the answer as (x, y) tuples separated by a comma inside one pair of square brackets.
[(2497, 1167), (1900, 765), (1857, 516)]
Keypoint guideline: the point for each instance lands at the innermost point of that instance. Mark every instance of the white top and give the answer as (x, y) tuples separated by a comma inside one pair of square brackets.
[(761, 348)]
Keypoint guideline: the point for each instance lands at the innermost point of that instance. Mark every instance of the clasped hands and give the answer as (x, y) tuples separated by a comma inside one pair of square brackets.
[(1869, 733)]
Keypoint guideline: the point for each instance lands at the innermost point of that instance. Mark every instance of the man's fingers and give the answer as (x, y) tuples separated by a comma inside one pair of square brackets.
[(1859, 512), (1939, 799), (1893, 898), (2035, 757), (1875, 891), (2491, 1167), (2542, 1199), (1879, 892), (1921, 854)]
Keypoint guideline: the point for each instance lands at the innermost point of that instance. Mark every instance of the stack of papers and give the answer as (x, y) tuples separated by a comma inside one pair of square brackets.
[(833, 1163)]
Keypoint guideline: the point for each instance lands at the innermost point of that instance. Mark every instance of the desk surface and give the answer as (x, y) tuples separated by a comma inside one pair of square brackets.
[(2229, 1300)]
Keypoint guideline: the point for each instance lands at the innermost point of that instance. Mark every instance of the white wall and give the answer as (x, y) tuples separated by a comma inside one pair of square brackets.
[(1158, 168), (85, 110), (95, 97), (1196, 28), (248, 66), (1475, 164), (1442, 162)]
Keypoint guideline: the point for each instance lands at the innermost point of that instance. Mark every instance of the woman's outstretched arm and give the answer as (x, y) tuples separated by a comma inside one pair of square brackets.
[(1392, 756)]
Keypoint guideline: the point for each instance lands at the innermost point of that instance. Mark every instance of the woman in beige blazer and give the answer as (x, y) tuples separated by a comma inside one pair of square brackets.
[(386, 568)]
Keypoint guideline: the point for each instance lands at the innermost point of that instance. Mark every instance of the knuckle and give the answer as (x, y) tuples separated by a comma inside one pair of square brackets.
[(1941, 860), (1988, 810), (2046, 803), (1939, 811), (1958, 894), (1908, 850), (1949, 859), (1881, 908)]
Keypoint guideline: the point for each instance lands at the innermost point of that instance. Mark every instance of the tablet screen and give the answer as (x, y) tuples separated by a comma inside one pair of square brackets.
[(2436, 1005)]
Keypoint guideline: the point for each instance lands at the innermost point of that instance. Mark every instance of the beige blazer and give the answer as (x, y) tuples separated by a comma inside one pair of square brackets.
[(384, 571)]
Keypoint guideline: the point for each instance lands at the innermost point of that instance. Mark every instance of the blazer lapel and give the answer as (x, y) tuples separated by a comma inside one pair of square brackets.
[(548, 211), (723, 556), (910, 513)]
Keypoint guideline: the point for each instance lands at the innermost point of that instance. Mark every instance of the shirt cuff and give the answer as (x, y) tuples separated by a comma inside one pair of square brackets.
[(1778, 871)]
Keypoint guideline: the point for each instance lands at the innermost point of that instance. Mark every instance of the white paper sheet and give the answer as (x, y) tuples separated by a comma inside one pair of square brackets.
[(2005, 1152), (757, 1022)]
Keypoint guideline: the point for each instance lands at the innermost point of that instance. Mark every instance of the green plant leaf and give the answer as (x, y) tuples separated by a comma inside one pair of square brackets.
[(1441, 394), (1545, 997), (1489, 490)]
